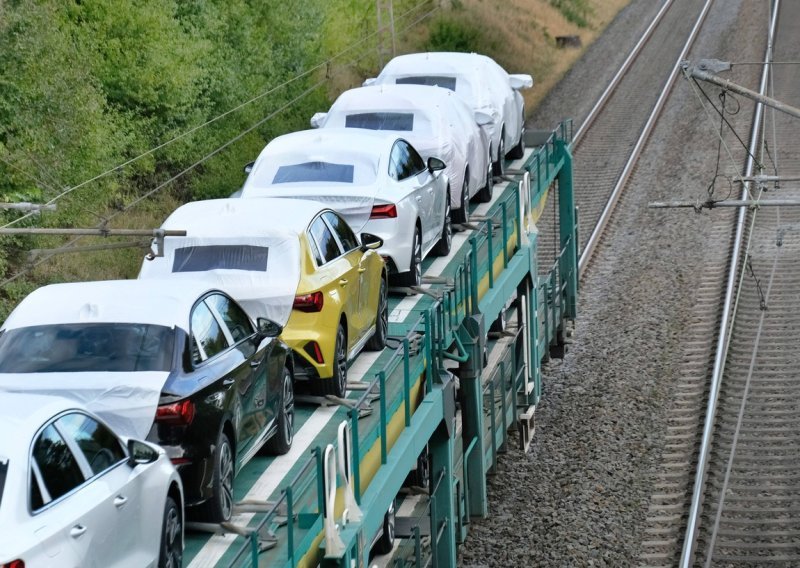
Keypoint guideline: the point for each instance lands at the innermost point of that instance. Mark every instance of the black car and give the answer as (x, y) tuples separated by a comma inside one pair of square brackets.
[(177, 361)]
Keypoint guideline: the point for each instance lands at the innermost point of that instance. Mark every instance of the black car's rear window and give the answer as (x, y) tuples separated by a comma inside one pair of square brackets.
[(430, 81), (82, 347), (314, 171), (3, 472), (230, 257), (403, 121)]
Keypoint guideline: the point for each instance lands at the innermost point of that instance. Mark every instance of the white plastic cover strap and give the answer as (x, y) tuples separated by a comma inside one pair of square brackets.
[(343, 455), (334, 547)]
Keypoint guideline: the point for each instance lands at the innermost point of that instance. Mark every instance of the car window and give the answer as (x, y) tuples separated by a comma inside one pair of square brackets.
[(429, 80), (208, 337), (87, 347), (405, 161), (328, 247), (235, 319), (314, 171), (401, 121), (342, 230), (229, 257), (59, 468), (3, 473), (99, 445)]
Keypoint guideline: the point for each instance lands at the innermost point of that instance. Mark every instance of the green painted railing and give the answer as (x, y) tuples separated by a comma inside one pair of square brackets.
[(296, 517)]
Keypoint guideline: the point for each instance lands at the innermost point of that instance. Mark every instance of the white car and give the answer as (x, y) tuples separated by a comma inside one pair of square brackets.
[(75, 494), (443, 127), (480, 82), (377, 181)]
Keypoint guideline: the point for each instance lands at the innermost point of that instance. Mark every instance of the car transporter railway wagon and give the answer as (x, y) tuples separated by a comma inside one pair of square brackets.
[(402, 466)]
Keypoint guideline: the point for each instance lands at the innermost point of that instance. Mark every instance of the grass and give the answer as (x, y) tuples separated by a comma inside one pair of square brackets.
[(519, 34)]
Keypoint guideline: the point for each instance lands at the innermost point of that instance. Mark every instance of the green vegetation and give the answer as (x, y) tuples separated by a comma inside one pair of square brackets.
[(579, 12), (87, 85)]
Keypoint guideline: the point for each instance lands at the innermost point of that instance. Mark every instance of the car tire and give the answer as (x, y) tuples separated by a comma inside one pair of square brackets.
[(385, 543), (337, 384), (378, 339), (499, 167), (442, 247), (219, 508), (413, 277), (485, 193), (171, 551), (281, 442), (518, 151), (461, 215)]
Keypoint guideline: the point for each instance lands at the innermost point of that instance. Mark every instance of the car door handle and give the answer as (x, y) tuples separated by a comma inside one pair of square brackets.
[(419, 198), (343, 282), (228, 382), (255, 363), (120, 501), (77, 531), (362, 270)]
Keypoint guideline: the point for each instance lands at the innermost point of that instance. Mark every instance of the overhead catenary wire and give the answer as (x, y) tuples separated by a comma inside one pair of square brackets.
[(250, 101)]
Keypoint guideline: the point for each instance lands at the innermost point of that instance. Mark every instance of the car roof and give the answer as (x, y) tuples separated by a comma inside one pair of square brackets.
[(24, 414), (441, 62), (265, 217), (166, 302), (398, 98)]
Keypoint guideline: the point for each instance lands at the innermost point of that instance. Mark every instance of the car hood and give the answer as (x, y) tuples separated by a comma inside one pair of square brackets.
[(126, 401), (354, 203)]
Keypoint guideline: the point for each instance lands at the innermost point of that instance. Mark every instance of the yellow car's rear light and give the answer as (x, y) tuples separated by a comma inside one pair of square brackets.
[(309, 302), (313, 350)]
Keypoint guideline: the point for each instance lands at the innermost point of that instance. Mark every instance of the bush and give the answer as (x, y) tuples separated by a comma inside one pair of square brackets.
[(451, 34)]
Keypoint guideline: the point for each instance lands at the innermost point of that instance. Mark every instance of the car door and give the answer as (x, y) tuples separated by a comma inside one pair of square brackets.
[(365, 307), (224, 372), (337, 274), (434, 191), (97, 448), (257, 413), (76, 517), (404, 173)]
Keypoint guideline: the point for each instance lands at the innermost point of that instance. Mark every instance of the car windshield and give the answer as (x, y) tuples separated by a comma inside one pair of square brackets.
[(230, 257), (400, 121), (314, 171), (430, 81), (82, 347), (3, 472)]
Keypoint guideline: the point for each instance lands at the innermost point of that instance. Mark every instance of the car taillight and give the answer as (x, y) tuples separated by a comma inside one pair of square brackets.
[(14, 564), (179, 413), (308, 302), (383, 212), (313, 350)]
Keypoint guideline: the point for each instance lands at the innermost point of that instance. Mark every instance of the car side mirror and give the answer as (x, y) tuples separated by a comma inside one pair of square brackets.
[(520, 81), (268, 328), (140, 453), (370, 242), (482, 118), (318, 120), (369, 82), (435, 165), (249, 167)]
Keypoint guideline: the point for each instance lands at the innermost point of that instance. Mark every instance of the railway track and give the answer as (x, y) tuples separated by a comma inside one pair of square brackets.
[(608, 143), (747, 511)]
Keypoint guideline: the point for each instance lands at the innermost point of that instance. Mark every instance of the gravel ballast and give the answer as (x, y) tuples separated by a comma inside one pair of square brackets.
[(580, 496)]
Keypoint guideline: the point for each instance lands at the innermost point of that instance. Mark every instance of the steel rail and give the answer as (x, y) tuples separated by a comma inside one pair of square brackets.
[(601, 102), (598, 230), (726, 319)]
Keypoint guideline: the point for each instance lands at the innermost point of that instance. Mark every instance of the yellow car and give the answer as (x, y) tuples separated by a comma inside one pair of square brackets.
[(293, 261)]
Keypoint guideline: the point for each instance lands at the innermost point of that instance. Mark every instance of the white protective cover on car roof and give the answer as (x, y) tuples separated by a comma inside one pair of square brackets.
[(126, 400), (232, 226), (476, 75), (438, 130), (366, 151)]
